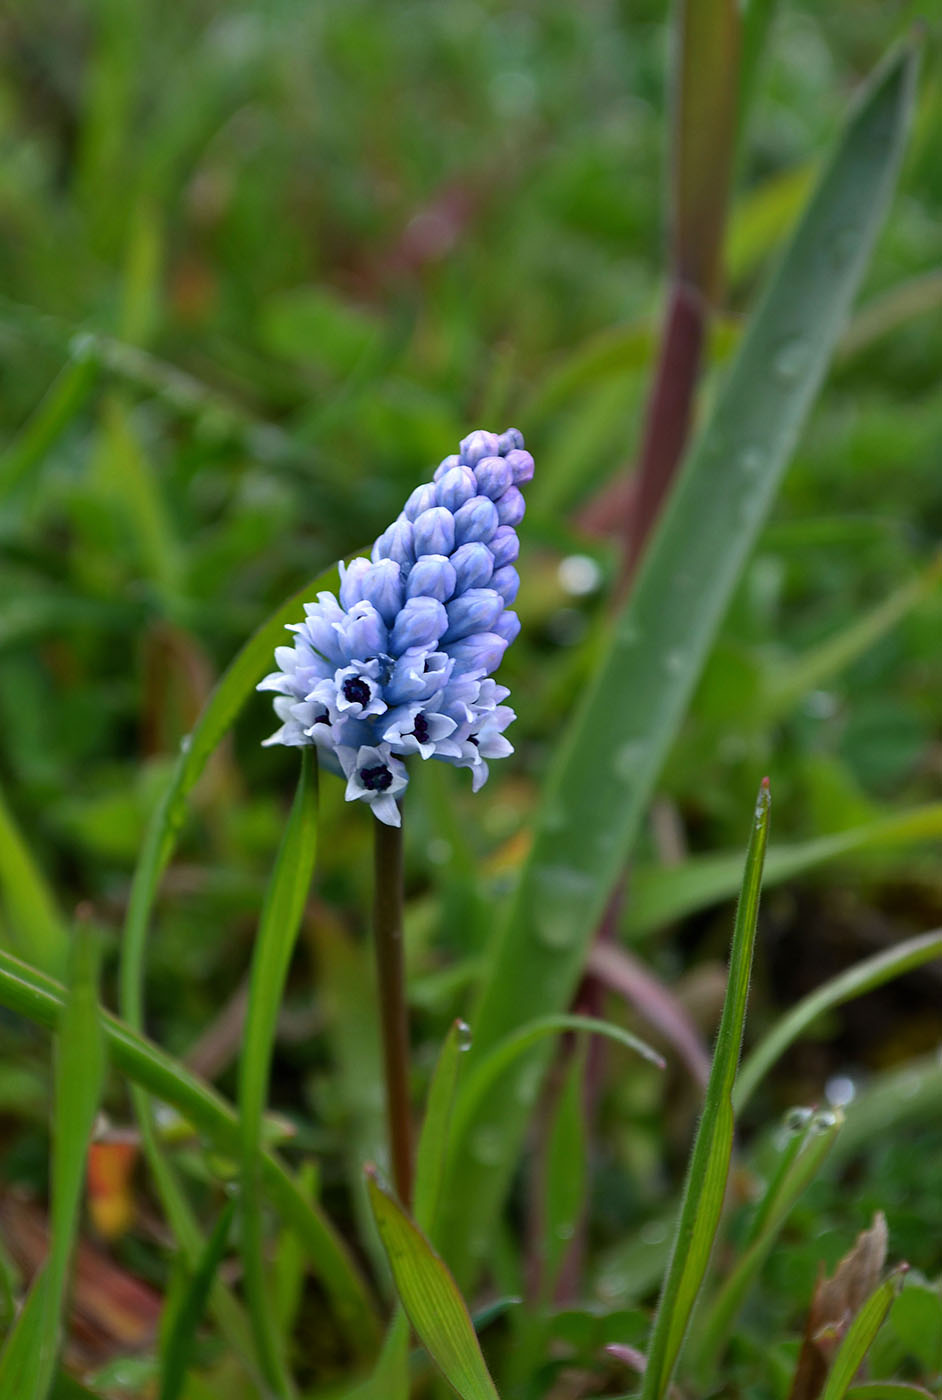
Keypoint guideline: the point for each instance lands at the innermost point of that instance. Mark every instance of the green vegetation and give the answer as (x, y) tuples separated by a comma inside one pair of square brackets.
[(262, 265)]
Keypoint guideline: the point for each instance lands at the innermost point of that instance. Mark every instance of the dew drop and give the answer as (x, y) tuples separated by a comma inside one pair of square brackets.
[(655, 1232), (674, 662), (843, 246), (559, 894), (750, 459), (796, 1119), (564, 1232), (186, 743), (824, 1120), (626, 759), (464, 1035), (790, 358), (486, 1147)]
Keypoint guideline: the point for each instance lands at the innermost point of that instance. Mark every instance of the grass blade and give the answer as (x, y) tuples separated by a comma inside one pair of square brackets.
[(887, 1390), (277, 932), (65, 398), (705, 1186), (79, 1080), (432, 1150), (660, 895), (860, 1334), (567, 1173), (41, 1000), (29, 901), (431, 1299), (857, 980), (189, 1308), (799, 1170), (609, 760)]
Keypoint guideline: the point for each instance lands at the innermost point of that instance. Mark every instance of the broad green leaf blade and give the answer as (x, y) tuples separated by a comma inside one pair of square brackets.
[(432, 1150), (704, 118), (189, 1308), (802, 1161), (79, 1080), (431, 1299), (705, 1186), (40, 999), (857, 980), (660, 895), (611, 755), (860, 1334), (277, 931), (29, 902)]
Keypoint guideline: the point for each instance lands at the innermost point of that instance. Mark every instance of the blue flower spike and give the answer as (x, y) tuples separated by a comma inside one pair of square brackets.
[(402, 663)]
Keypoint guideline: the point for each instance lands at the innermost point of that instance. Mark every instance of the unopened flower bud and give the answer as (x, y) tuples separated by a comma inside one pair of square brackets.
[(456, 487), (420, 624), (511, 507), (505, 546), (473, 565), (474, 611), (493, 476), (432, 576), (476, 520), (507, 583), (477, 445), (434, 532)]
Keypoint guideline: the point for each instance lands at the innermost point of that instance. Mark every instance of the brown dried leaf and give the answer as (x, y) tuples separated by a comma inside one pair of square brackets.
[(835, 1304)]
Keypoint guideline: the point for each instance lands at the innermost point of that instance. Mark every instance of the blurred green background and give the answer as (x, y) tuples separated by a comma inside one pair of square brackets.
[(261, 266)]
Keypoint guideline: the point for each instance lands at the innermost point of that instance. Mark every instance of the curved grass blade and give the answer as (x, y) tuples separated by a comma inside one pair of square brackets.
[(278, 929), (79, 1080), (860, 1334), (29, 901), (612, 753), (432, 1151), (431, 1299), (479, 1085), (567, 1173), (190, 1306), (65, 398), (800, 1168), (857, 980), (659, 895), (705, 1186), (41, 1000)]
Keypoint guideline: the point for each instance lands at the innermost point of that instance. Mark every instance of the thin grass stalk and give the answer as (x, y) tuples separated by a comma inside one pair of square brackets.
[(391, 985)]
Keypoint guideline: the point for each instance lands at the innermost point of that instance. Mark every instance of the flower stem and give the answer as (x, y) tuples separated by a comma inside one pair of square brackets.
[(390, 973)]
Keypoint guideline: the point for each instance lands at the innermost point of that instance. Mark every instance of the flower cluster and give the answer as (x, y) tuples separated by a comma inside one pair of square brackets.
[(402, 662)]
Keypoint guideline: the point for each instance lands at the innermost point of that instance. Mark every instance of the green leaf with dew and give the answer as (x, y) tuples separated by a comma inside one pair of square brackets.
[(610, 757)]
